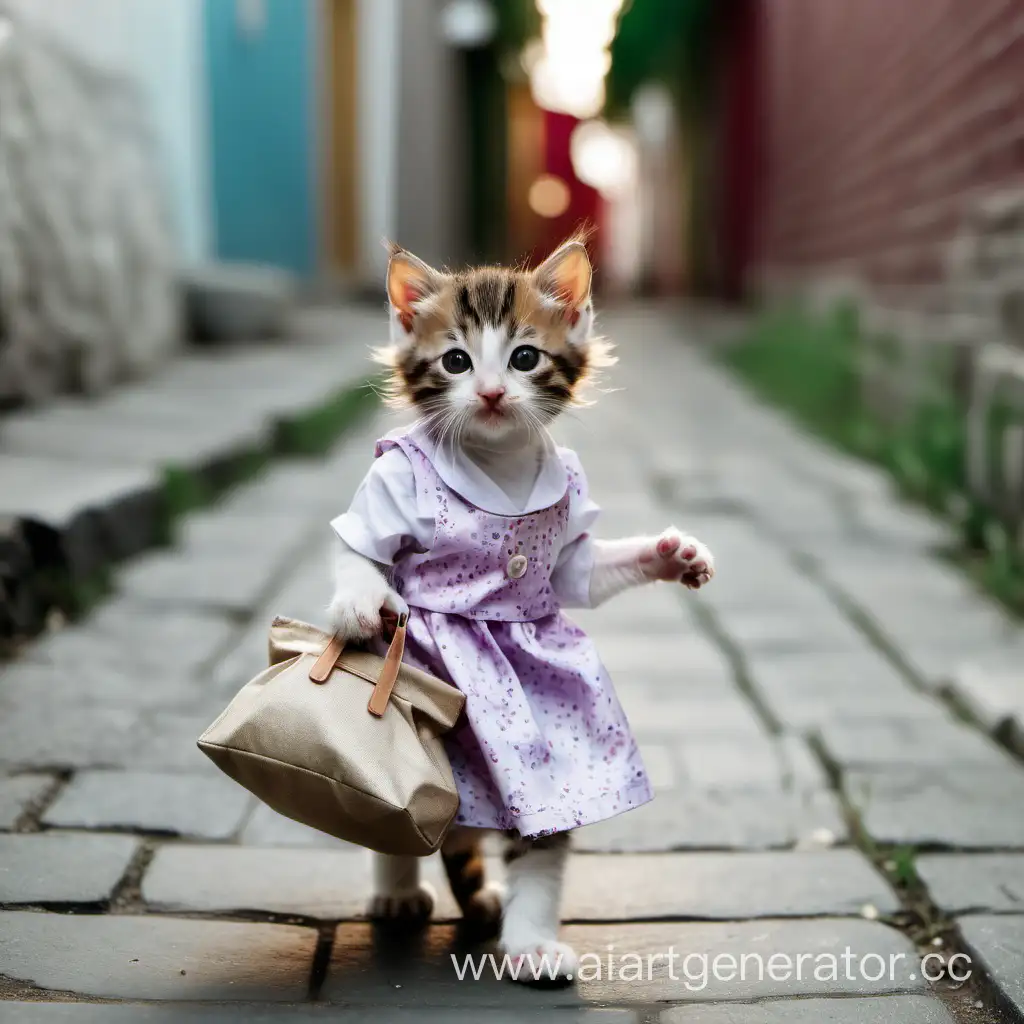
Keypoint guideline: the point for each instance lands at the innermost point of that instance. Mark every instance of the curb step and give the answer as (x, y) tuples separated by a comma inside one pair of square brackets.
[(87, 484)]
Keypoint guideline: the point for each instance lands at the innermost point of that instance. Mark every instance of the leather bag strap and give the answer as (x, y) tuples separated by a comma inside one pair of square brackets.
[(325, 664)]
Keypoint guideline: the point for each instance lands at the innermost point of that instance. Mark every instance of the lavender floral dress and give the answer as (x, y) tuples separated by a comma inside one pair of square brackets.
[(544, 745)]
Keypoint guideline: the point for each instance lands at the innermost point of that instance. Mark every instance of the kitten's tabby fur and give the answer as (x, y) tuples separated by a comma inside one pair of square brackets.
[(508, 301), (494, 401)]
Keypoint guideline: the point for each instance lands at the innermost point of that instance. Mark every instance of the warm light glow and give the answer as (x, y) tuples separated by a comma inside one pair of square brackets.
[(568, 72), (549, 196), (603, 157), (469, 23)]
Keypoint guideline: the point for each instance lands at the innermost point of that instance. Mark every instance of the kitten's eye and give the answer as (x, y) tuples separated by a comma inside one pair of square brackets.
[(456, 361), (525, 358)]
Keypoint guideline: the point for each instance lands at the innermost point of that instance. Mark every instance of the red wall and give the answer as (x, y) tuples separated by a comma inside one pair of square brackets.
[(883, 118), (585, 202)]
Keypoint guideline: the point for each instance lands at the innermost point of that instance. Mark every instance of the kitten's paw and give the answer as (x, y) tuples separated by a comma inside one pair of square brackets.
[(482, 915), (677, 558), (355, 615), (540, 961), (410, 908)]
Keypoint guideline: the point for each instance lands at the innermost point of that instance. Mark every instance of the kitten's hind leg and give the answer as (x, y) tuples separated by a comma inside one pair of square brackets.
[(399, 897), (529, 931), (480, 902)]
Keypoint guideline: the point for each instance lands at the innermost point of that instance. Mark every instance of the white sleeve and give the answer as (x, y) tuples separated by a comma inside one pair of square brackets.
[(570, 579), (383, 522)]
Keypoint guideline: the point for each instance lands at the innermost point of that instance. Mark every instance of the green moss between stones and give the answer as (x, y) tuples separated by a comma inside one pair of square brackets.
[(815, 366), (308, 433), (314, 432)]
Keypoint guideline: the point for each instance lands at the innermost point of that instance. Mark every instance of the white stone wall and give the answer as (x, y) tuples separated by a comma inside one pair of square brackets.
[(159, 44), (88, 261)]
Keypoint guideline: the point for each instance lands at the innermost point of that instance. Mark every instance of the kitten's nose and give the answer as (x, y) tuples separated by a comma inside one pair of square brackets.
[(492, 396)]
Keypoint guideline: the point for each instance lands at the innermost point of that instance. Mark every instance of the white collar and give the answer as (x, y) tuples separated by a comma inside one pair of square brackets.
[(468, 480)]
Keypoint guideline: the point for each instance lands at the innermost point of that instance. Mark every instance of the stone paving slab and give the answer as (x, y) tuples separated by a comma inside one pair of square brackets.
[(772, 629), (998, 943), (250, 1013), (663, 616), (902, 527), (88, 475), (802, 713), (965, 807), (732, 761), (33, 737), (683, 713), (723, 886), (97, 512), (370, 968), (327, 884), (29, 686), (304, 595), (269, 536), (361, 972), (935, 664), (128, 635), (985, 882), (17, 792), (200, 806), (50, 869), (910, 742), (674, 660), (157, 958), (106, 737), (906, 582), (166, 741), (773, 586), (267, 828), (660, 763), (92, 432), (334, 885), (679, 820), (825, 674), (878, 1010), (960, 627), (803, 769), (993, 698), (234, 581)]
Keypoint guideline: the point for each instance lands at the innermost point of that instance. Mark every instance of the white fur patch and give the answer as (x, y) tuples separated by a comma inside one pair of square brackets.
[(360, 592), (530, 925)]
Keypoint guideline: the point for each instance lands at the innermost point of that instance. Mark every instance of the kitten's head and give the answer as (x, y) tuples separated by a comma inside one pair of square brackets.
[(490, 353)]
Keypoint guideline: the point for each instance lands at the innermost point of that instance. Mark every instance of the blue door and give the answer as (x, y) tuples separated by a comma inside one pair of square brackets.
[(261, 69)]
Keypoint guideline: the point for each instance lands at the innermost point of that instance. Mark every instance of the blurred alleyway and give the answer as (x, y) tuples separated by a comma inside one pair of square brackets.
[(797, 718)]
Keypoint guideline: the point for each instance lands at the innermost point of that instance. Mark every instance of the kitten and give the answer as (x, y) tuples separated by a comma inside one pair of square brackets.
[(488, 358)]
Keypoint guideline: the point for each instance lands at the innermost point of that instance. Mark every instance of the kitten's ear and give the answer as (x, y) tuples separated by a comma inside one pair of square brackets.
[(410, 280), (566, 274)]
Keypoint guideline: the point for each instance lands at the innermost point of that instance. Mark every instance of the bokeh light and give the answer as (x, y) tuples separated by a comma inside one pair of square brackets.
[(549, 196)]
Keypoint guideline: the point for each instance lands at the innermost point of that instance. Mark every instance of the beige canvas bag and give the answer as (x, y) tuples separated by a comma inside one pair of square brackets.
[(344, 740)]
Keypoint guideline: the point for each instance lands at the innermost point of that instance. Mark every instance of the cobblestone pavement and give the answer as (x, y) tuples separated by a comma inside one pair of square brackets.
[(816, 683)]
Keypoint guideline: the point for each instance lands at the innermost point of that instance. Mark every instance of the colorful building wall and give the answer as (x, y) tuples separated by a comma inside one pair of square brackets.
[(158, 43), (263, 72), (885, 121)]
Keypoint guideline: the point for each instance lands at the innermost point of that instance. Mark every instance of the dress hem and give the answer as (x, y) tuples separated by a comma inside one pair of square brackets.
[(529, 825)]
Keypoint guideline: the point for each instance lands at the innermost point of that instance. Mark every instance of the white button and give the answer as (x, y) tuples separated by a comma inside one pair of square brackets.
[(516, 568)]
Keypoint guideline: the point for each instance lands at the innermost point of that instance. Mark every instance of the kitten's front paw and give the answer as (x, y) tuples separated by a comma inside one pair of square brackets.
[(411, 908), (539, 961), (677, 558), (482, 914), (355, 615)]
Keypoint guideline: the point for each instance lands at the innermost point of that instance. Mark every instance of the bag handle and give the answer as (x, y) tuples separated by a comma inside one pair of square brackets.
[(324, 666)]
